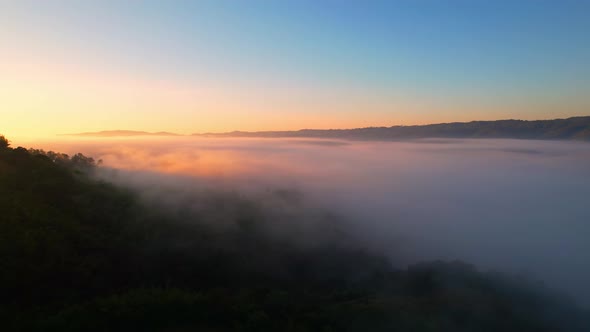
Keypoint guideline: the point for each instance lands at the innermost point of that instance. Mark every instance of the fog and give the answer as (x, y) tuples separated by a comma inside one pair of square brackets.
[(515, 206)]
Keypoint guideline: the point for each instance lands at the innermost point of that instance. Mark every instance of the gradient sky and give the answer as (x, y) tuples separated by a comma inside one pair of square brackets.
[(202, 66)]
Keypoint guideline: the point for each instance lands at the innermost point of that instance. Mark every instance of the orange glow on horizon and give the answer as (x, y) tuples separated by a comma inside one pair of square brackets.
[(40, 99)]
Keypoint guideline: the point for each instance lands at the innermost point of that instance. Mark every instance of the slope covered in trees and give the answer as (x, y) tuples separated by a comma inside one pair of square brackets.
[(78, 254)]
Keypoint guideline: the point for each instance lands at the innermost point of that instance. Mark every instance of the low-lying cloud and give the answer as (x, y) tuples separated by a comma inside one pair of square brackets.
[(512, 205)]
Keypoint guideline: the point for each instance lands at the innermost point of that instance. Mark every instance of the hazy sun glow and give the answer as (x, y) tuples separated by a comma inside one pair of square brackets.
[(71, 67)]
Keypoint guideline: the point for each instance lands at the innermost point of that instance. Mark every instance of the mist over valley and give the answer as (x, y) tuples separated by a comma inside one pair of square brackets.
[(515, 206)]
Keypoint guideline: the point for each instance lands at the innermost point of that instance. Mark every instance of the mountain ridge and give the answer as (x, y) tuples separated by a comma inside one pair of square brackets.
[(119, 133), (572, 128)]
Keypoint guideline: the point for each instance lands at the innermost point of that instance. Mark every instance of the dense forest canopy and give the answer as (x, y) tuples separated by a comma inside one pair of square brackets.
[(4, 143), (80, 254)]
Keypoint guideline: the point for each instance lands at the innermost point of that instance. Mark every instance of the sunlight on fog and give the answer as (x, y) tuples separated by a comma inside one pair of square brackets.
[(514, 205)]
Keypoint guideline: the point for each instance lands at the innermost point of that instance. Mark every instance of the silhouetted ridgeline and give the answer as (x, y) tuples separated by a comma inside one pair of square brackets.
[(122, 133), (576, 128), (78, 254)]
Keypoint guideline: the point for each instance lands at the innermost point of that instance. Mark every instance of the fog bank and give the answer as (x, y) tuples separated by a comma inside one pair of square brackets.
[(513, 205)]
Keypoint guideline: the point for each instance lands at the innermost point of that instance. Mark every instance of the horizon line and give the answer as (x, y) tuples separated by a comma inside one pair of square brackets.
[(134, 132)]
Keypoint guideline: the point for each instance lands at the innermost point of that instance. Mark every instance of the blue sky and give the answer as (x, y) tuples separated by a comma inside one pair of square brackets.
[(408, 61)]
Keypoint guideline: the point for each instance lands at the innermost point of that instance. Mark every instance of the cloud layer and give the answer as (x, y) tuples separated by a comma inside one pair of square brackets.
[(512, 205)]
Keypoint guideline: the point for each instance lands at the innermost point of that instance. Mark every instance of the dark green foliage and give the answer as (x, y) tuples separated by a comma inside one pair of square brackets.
[(4, 143), (78, 254)]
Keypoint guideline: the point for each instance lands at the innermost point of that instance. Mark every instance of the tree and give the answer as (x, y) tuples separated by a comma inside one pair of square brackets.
[(4, 143)]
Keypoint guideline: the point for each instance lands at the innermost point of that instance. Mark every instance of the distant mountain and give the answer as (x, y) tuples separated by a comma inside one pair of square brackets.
[(575, 128), (121, 133)]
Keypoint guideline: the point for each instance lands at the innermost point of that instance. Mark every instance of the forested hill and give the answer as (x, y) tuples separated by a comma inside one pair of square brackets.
[(576, 128), (77, 254)]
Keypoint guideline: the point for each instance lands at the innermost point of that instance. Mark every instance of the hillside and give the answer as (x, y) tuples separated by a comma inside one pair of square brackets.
[(79, 254), (576, 128)]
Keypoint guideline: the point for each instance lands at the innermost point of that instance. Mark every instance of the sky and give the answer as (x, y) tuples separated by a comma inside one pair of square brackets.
[(211, 66)]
